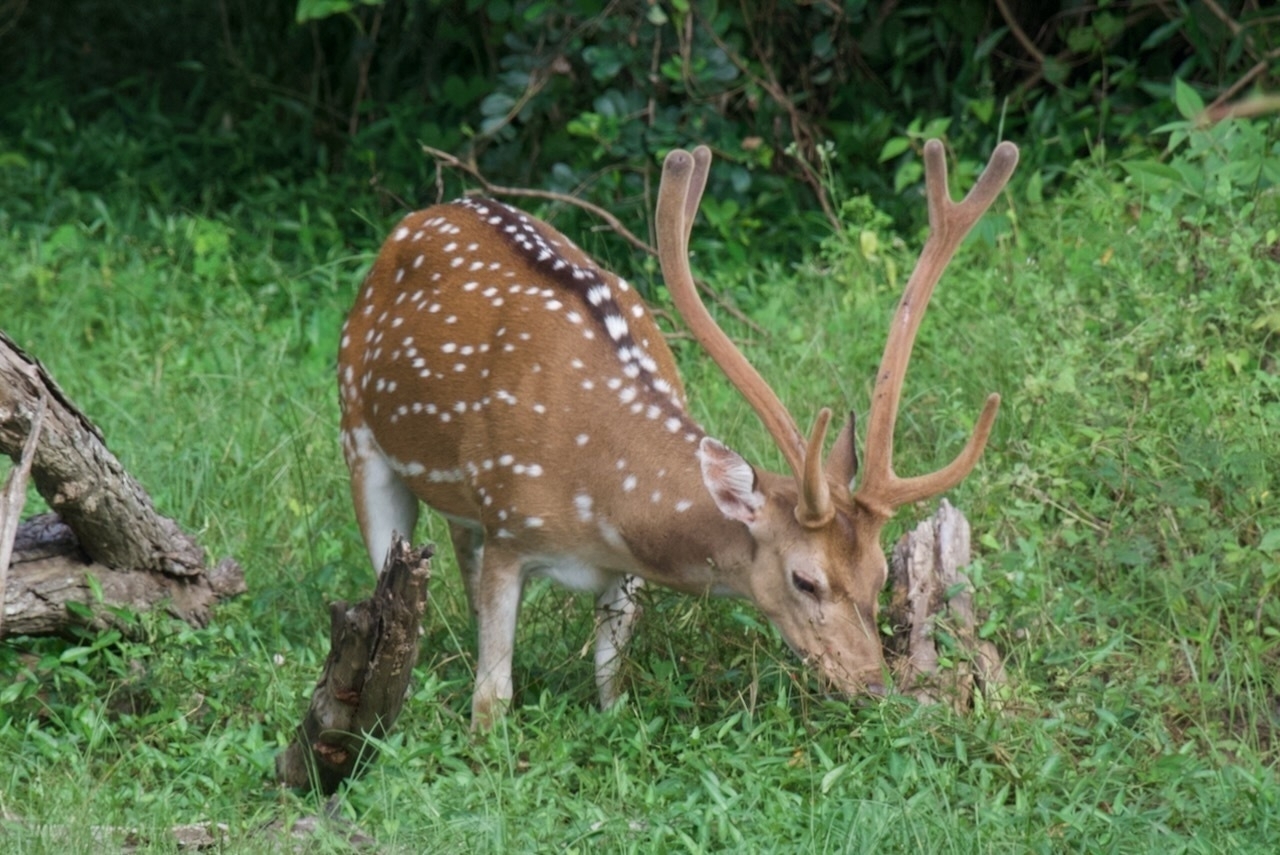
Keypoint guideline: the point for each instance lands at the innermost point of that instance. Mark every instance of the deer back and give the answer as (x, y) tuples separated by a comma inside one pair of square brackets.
[(511, 381)]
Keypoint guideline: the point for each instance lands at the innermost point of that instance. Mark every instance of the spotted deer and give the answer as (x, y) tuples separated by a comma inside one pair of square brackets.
[(494, 371)]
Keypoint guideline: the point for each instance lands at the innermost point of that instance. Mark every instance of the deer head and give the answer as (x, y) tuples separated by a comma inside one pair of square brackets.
[(494, 371), (822, 592)]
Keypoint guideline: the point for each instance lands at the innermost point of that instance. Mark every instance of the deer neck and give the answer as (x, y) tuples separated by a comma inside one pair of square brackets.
[(665, 521)]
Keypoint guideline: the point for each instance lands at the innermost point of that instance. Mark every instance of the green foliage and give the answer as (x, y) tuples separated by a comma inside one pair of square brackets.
[(1229, 167), (314, 10), (584, 97)]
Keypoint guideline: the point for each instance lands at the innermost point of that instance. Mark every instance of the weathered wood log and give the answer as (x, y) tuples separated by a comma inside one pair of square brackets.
[(931, 611), (118, 537), (50, 571), (373, 647)]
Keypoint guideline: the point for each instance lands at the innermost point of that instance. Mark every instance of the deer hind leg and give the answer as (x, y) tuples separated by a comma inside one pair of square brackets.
[(384, 503), (616, 614), (468, 550), (498, 589)]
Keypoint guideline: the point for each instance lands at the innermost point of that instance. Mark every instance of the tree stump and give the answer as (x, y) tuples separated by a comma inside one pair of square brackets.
[(373, 647), (106, 538), (935, 650)]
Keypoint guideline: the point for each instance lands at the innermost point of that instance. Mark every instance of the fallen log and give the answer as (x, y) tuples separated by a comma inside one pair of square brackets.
[(373, 647), (108, 546)]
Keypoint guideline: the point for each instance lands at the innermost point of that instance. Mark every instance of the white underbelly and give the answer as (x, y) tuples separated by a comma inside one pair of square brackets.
[(570, 571)]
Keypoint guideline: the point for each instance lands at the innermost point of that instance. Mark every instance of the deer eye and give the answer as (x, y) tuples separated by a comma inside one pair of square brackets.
[(804, 584)]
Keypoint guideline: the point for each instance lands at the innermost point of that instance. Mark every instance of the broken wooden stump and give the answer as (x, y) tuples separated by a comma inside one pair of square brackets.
[(373, 647), (936, 653), (107, 547)]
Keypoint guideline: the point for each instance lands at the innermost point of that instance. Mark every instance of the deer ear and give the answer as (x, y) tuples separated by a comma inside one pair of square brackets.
[(730, 480)]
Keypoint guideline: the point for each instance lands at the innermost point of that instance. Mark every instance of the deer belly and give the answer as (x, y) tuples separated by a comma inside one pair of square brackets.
[(570, 572)]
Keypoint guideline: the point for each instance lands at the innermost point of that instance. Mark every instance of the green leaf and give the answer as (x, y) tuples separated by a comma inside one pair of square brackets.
[(989, 43), (74, 654), (1152, 174), (1270, 541), (1186, 99), (1035, 188), (1082, 40), (893, 147), (314, 10), (1162, 34), (829, 779), (1055, 70), (983, 109), (497, 104), (909, 173)]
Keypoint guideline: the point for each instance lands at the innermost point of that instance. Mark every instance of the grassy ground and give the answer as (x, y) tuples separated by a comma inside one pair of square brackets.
[(1125, 516)]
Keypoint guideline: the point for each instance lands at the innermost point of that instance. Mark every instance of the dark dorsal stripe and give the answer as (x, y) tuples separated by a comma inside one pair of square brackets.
[(596, 294)]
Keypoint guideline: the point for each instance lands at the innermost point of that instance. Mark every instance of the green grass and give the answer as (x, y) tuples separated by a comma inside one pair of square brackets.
[(1125, 517)]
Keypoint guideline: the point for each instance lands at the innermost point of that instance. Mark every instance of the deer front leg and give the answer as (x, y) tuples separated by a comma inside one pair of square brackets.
[(616, 614), (497, 606)]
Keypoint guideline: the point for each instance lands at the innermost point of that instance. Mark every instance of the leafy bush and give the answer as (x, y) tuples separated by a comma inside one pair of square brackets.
[(584, 97)]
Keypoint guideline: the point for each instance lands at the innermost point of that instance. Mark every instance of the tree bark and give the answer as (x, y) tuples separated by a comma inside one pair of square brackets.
[(111, 530), (373, 647), (939, 656)]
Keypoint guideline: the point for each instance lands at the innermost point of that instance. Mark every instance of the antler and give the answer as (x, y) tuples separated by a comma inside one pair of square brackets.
[(882, 491), (684, 177)]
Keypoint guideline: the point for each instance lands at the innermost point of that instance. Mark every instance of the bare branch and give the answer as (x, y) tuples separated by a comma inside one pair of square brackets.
[(595, 210)]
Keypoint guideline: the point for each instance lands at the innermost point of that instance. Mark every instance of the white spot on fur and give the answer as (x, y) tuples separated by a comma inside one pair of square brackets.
[(616, 325)]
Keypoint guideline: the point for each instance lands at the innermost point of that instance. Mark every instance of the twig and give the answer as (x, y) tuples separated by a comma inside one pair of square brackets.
[(800, 132), (15, 496), (537, 80), (1249, 108), (362, 79), (610, 220), (531, 192), (1015, 29), (1079, 516), (1219, 109), (1218, 12)]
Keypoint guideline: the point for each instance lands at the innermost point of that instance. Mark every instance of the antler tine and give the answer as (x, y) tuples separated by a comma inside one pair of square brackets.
[(693, 195), (881, 490), (815, 509), (684, 177)]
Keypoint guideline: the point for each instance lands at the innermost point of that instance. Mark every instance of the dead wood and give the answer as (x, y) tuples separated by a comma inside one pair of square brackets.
[(14, 498), (373, 647), (109, 528), (50, 571), (935, 647)]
